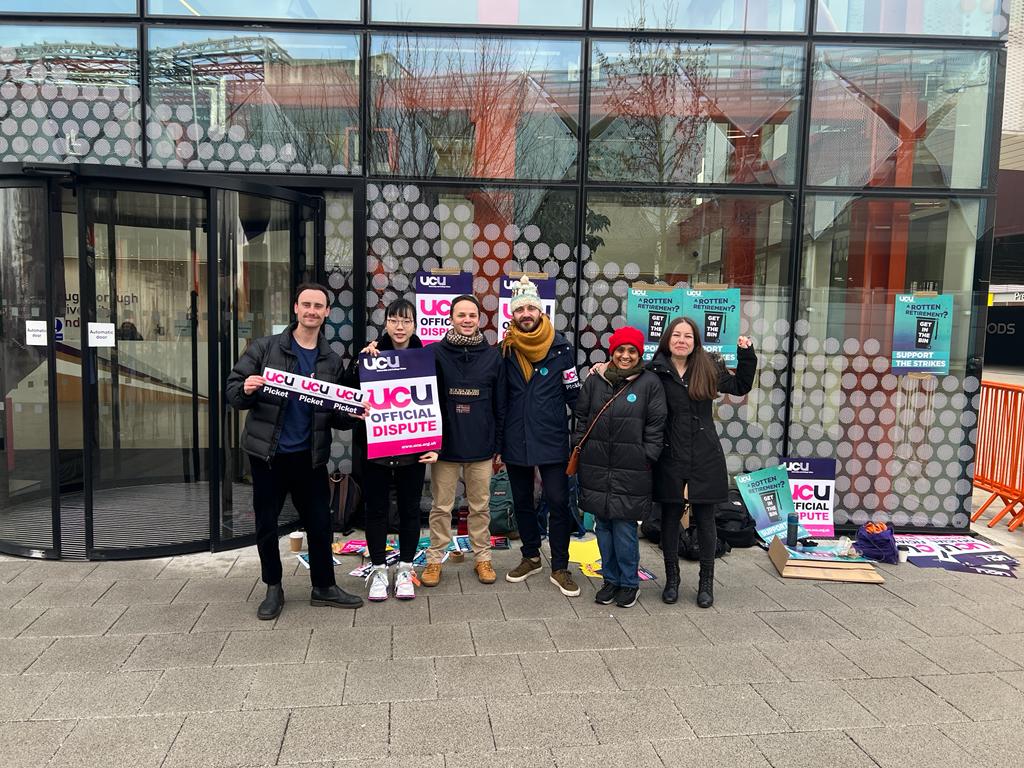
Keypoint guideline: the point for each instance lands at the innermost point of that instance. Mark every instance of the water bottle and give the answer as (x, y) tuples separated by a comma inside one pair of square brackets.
[(792, 525)]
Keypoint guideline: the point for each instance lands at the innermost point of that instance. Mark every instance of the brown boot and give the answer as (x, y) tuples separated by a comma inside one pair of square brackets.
[(485, 572), (431, 575)]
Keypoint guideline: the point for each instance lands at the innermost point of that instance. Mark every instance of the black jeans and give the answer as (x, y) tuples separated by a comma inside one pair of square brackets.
[(408, 481), (555, 487), (707, 533), (293, 473)]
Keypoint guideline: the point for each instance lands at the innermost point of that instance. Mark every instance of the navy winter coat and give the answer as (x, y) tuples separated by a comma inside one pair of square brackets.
[(472, 389), (536, 420), (616, 461), (693, 453)]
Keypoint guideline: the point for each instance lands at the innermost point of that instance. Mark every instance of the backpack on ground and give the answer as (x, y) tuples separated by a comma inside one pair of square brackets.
[(503, 517), (347, 512), (734, 523)]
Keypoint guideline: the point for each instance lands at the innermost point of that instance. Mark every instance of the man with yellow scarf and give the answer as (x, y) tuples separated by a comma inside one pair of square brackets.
[(542, 384)]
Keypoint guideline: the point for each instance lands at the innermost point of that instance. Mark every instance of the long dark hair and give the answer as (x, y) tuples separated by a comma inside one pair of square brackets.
[(702, 368)]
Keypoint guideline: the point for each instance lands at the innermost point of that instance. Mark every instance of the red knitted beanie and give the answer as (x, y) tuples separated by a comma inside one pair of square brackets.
[(626, 335)]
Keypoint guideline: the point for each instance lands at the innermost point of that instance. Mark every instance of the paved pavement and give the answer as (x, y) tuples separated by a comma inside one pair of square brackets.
[(163, 663)]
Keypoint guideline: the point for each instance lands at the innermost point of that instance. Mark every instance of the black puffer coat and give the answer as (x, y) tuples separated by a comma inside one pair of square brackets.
[(693, 452), (615, 464), (266, 413)]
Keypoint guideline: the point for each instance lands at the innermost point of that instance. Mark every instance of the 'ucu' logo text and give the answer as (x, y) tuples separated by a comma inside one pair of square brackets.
[(380, 363), (340, 393), (433, 281), (400, 397), (435, 307), (311, 385), (798, 466), (276, 377)]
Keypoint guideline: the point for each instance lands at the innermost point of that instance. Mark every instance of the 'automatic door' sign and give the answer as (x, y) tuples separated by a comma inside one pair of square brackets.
[(320, 394)]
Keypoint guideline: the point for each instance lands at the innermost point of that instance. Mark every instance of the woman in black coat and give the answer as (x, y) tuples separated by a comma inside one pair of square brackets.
[(692, 457), (615, 463)]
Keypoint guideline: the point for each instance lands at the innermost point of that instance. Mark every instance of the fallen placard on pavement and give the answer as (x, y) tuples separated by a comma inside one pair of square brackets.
[(960, 554)]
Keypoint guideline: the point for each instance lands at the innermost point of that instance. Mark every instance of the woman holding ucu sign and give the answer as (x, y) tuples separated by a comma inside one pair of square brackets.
[(405, 473)]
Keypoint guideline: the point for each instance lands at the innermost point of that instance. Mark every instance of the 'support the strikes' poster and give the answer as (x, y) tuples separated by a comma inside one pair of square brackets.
[(434, 294), (322, 395), (545, 289), (769, 501), (922, 331), (650, 310), (405, 414), (813, 485), (717, 314)]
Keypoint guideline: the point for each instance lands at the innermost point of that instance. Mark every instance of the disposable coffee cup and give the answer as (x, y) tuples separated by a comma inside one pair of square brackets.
[(295, 541), (904, 553)]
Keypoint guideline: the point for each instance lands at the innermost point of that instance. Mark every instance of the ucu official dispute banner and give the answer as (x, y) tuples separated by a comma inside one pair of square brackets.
[(545, 289), (405, 414), (434, 294), (319, 394)]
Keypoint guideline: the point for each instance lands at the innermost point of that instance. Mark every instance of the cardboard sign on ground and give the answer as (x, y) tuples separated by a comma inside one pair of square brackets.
[(790, 566)]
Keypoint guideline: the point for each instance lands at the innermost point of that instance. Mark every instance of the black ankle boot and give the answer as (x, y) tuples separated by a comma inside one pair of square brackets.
[(671, 591), (706, 586), (272, 604)]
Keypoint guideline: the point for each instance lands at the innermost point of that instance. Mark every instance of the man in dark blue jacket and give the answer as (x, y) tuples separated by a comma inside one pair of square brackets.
[(472, 387), (541, 380)]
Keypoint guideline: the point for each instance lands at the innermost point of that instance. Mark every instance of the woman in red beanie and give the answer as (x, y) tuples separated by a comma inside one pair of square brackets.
[(621, 442)]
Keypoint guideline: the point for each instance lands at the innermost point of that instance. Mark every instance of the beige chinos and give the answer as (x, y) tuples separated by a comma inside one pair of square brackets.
[(444, 477)]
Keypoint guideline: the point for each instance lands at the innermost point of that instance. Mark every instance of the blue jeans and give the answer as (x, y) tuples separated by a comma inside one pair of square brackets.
[(619, 543)]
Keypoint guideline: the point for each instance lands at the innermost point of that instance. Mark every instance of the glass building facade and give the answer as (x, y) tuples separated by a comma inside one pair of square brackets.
[(174, 167)]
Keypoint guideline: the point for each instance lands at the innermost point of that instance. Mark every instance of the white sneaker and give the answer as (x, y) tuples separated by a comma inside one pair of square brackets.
[(405, 588), (377, 579)]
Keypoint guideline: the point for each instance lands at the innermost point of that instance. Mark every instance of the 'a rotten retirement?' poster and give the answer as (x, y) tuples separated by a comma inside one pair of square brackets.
[(651, 309), (921, 333), (434, 294), (405, 414), (545, 289), (769, 501), (717, 314)]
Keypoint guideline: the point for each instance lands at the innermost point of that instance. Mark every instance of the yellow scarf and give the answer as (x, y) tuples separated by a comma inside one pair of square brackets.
[(529, 347)]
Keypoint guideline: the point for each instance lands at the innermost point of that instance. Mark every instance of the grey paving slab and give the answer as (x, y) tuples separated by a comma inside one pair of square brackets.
[(30, 745), (199, 567), (392, 761), (98, 695), (805, 625), (117, 570), (977, 589), (506, 758), (910, 747), (153, 619), (942, 621), (395, 680), (393, 612), (455, 725), (794, 595), (961, 654), (744, 597), (117, 742), (1016, 679), (523, 636), (166, 651), (587, 634), (454, 639), (299, 614), (140, 591), (865, 596), (479, 676), (925, 593), (216, 740), (634, 755), (1002, 617), (886, 658), (901, 701), (69, 621), (16, 654), (537, 605), (809, 660), (732, 751), (635, 716), (84, 654), (20, 696), (281, 686), (980, 696), (222, 590), (636, 669), (873, 623), (199, 689), (723, 664), (55, 593), (661, 631), (61, 572), (834, 749), (1008, 645), (529, 722), (335, 733), (350, 644), (282, 646), (225, 617), (11, 594), (10, 569), (446, 609), (572, 672), (993, 744), (730, 628), (726, 710), (816, 706)]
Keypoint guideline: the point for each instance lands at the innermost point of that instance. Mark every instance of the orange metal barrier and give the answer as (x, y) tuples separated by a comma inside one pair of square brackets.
[(999, 462)]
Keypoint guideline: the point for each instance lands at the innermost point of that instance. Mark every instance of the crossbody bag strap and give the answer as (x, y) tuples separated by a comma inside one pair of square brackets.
[(593, 421)]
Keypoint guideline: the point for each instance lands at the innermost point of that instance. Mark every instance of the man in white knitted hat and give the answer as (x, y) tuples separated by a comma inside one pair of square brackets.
[(541, 386)]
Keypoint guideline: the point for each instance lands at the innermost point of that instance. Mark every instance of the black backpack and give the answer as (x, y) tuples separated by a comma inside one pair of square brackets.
[(347, 511), (734, 523), (689, 546)]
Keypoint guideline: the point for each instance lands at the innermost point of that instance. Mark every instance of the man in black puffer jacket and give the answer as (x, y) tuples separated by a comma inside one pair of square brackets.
[(289, 445)]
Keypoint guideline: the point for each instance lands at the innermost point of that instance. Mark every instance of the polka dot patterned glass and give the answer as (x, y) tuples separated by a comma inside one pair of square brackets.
[(338, 263)]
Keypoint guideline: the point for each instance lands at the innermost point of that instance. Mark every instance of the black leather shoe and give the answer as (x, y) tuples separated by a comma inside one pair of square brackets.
[(272, 604), (334, 596)]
